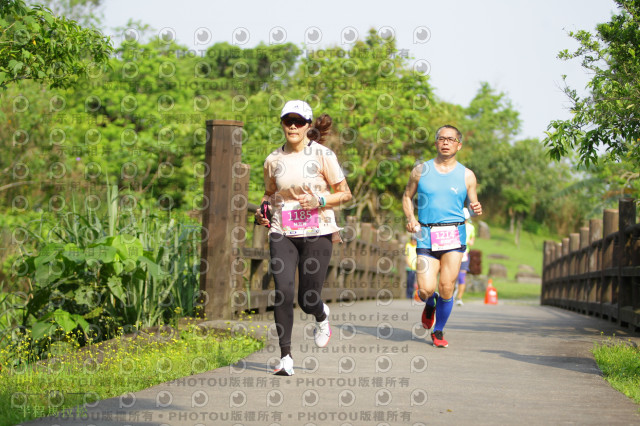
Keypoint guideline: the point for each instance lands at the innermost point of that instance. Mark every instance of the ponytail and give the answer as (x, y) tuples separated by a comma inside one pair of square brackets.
[(320, 129)]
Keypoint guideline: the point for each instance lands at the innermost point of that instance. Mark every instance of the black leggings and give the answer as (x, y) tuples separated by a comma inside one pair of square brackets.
[(311, 255)]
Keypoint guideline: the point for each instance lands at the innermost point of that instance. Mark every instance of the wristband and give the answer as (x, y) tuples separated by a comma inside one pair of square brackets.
[(322, 202)]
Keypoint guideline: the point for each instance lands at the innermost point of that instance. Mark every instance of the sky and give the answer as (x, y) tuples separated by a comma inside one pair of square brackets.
[(512, 45)]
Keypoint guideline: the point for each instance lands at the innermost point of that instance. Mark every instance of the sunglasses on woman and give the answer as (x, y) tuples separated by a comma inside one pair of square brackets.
[(296, 119)]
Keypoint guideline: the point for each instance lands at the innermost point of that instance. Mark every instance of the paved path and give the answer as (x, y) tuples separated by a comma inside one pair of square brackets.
[(505, 364)]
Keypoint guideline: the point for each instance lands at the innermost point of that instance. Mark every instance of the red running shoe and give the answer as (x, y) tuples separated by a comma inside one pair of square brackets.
[(438, 340), (428, 316)]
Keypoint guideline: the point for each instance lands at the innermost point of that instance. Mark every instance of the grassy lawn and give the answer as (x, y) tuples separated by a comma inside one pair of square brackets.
[(114, 368), (528, 253), (510, 290), (502, 242)]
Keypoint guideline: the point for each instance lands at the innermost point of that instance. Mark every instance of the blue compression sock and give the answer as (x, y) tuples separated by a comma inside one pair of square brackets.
[(443, 310), (431, 301)]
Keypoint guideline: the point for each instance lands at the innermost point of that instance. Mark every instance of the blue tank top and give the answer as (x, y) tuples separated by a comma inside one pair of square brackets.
[(440, 199)]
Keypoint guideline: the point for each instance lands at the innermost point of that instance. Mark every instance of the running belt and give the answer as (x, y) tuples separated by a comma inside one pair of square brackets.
[(431, 225)]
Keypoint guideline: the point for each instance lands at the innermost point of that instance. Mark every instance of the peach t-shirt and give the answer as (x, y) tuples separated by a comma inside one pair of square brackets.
[(310, 171)]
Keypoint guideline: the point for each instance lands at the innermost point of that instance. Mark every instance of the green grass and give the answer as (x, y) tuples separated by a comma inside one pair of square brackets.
[(114, 368), (510, 290), (620, 365), (530, 252)]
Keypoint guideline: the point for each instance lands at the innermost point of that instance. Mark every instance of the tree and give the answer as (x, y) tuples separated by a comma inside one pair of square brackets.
[(37, 45), (609, 116), (527, 183), (602, 185), (383, 112), (519, 201), (81, 11), (489, 126)]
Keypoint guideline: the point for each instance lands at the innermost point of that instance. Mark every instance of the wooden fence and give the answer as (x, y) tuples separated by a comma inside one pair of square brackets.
[(235, 273), (597, 271)]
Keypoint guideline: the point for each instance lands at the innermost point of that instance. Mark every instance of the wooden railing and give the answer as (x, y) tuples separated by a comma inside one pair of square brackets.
[(367, 265), (235, 275), (597, 271)]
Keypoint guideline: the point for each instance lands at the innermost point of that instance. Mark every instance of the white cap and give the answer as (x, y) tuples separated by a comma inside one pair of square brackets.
[(467, 215), (297, 107)]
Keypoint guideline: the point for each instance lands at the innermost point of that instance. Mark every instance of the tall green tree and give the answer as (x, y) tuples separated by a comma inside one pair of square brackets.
[(37, 45), (609, 116), (528, 183), (489, 127), (601, 185), (382, 106), (86, 13)]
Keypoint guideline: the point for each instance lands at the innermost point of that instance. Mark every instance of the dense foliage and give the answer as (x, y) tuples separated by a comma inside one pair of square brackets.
[(609, 116), (35, 44)]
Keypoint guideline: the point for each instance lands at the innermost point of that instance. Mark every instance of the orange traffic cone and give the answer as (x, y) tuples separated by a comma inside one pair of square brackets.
[(491, 295)]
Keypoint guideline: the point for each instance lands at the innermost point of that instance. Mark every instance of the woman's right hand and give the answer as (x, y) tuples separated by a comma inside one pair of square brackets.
[(260, 219)]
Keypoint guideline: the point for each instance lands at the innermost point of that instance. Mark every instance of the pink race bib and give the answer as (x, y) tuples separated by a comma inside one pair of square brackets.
[(445, 238), (298, 221)]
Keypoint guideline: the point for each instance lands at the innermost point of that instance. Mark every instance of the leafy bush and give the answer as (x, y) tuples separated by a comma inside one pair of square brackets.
[(125, 270)]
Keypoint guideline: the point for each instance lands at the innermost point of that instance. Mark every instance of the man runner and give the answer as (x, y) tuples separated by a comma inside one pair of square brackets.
[(442, 186)]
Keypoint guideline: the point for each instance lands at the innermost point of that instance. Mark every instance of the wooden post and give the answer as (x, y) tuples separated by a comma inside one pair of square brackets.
[(564, 289), (627, 219), (367, 260), (260, 239), (557, 288), (610, 224), (383, 263), (595, 234), (546, 255), (584, 245), (571, 283), (398, 260), (574, 245), (348, 261), (240, 267), (223, 157), (258, 258), (552, 258), (547, 273)]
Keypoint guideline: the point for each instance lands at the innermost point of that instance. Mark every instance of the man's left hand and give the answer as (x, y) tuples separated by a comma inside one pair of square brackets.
[(476, 207)]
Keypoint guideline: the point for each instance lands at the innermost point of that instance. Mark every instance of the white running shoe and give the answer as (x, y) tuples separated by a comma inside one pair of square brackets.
[(459, 302), (285, 367), (322, 333)]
